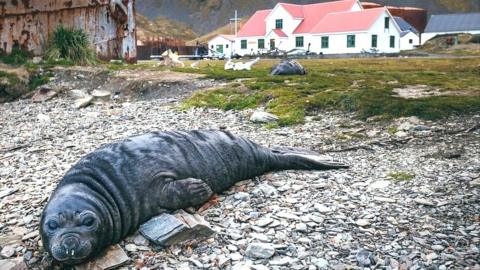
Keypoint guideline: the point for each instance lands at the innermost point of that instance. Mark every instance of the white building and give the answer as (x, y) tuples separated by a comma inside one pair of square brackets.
[(468, 23), (409, 37), (221, 45), (338, 27)]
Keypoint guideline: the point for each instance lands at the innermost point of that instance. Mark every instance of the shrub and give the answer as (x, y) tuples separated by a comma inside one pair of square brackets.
[(70, 44)]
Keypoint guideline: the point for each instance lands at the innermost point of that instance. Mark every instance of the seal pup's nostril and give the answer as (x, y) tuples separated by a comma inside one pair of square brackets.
[(70, 244)]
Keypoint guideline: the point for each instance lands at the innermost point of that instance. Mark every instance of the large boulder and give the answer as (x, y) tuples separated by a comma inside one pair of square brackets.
[(288, 67)]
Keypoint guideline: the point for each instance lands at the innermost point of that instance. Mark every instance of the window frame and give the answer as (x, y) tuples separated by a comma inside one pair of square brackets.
[(263, 43), (279, 22), (243, 44), (374, 41), (298, 40), (349, 43), (325, 42)]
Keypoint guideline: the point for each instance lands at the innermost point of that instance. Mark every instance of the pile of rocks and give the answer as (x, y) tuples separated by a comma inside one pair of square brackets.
[(362, 217)]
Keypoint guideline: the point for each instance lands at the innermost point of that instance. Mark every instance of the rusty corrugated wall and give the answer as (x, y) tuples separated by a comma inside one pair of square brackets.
[(110, 24)]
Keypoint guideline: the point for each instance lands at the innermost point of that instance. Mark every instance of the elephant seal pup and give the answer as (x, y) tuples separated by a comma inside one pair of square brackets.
[(288, 67), (110, 192)]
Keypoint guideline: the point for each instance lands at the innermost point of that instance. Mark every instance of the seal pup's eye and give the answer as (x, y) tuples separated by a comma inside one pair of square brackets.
[(88, 221), (52, 225)]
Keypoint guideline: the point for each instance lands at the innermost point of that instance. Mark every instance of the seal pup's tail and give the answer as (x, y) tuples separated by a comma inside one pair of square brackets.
[(287, 158)]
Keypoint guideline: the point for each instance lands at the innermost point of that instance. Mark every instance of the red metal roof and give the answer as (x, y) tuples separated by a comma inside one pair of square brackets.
[(348, 21), (314, 13), (255, 26), (295, 10), (279, 32)]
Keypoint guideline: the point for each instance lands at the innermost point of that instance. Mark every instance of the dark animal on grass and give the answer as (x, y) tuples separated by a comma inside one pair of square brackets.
[(110, 192), (288, 67)]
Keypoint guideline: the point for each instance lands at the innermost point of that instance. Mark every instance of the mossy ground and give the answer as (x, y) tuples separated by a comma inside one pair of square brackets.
[(363, 86), (401, 176)]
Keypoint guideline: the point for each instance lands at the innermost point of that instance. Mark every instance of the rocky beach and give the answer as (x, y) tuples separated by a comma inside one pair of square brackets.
[(411, 199)]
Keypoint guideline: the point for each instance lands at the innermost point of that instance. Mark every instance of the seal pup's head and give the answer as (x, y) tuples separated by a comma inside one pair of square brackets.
[(72, 226)]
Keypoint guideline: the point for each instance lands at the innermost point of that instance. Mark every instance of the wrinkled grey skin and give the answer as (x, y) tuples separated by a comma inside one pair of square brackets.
[(288, 67), (110, 192)]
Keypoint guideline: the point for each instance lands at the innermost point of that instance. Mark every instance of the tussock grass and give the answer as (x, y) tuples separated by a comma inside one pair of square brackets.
[(363, 86), (71, 45)]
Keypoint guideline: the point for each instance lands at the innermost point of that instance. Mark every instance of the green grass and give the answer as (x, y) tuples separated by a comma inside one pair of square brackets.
[(363, 86), (16, 58), (401, 176)]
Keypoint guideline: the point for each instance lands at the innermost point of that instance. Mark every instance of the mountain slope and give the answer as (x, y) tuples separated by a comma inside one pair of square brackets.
[(207, 15), (163, 27)]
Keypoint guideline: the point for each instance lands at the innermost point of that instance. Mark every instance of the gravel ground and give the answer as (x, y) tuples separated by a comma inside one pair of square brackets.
[(409, 201)]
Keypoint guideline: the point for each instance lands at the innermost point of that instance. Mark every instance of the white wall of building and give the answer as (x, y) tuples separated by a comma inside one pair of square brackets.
[(427, 36), (409, 42), (289, 23), (228, 46), (363, 40), (252, 46)]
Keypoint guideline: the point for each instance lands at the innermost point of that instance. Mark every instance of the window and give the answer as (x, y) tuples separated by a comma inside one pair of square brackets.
[(299, 42), (243, 44), (410, 41), (212, 47), (279, 24), (387, 23), (261, 43), (392, 41), (226, 46), (374, 41), (324, 42), (351, 41)]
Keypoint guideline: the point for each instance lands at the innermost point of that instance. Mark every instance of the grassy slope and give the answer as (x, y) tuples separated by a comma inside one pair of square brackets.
[(360, 85)]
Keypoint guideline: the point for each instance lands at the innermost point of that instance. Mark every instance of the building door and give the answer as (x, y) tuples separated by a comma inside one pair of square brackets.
[(272, 44), (220, 48)]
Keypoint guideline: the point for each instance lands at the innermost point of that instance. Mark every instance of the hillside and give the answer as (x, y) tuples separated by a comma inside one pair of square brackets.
[(163, 27), (207, 15)]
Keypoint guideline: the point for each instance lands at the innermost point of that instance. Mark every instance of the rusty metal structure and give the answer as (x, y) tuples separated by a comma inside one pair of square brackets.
[(110, 25)]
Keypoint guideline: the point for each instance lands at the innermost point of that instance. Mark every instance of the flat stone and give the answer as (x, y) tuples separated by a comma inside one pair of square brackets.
[(30, 235), (263, 117), (281, 262), (7, 192), (320, 263), (424, 202), (8, 251), (167, 229), (379, 185), (13, 264), (43, 94), (264, 222), (112, 257), (260, 250), (322, 208), (83, 102), (362, 222)]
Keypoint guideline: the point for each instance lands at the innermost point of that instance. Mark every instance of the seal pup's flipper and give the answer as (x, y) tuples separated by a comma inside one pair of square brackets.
[(288, 158), (184, 193)]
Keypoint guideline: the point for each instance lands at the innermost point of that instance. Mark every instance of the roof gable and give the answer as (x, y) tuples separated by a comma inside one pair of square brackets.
[(354, 21), (296, 11), (404, 25), (255, 26), (453, 22), (314, 13)]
